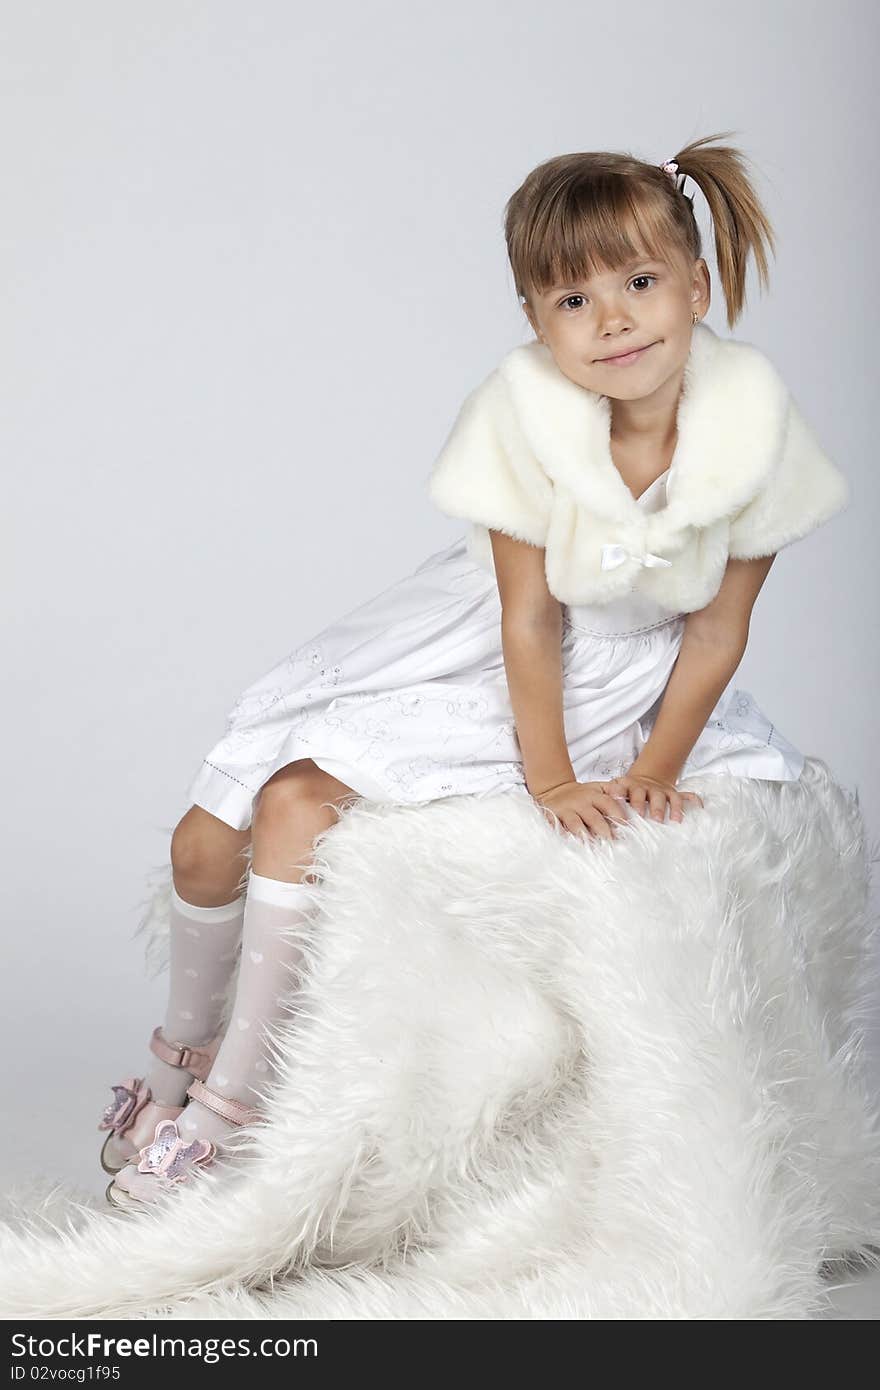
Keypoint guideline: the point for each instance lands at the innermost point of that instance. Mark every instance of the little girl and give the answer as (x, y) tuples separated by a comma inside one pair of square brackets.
[(628, 476)]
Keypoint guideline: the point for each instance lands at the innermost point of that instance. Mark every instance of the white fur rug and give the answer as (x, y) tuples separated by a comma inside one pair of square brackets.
[(533, 1079)]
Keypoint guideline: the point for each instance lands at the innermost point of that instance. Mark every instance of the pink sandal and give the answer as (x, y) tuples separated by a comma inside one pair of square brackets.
[(132, 1114), (169, 1159)]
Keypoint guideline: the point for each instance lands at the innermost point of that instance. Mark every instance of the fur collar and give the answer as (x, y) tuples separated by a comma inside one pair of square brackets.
[(530, 454), (731, 416)]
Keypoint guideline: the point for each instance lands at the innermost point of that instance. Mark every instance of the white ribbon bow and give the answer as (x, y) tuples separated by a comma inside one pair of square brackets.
[(614, 555)]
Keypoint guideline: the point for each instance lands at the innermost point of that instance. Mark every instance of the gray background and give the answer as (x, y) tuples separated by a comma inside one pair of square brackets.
[(252, 262)]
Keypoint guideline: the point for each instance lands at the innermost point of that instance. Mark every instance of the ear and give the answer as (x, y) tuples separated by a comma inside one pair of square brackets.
[(529, 313), (701, 289)]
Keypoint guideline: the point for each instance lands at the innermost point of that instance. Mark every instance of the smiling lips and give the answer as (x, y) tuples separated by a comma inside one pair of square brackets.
[(624, 358)]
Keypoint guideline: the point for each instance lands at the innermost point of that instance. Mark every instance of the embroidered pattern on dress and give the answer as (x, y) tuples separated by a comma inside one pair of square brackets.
[(472, 707)]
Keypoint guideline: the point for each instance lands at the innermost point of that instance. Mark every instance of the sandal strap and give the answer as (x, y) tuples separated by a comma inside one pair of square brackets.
[(197, 1060), (235, 1111)]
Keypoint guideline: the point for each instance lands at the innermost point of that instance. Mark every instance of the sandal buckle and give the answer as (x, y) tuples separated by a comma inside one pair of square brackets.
[(192, 1057)]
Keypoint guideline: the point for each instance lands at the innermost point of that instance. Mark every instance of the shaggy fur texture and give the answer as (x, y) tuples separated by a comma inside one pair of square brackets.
[(529, 454), (533, 1078)]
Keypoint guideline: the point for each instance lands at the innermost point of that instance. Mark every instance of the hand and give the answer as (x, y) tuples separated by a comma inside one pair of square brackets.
[(582, 807), (642, 792)]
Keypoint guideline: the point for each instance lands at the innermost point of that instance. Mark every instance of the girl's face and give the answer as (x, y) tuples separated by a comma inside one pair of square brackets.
[(647, 305)]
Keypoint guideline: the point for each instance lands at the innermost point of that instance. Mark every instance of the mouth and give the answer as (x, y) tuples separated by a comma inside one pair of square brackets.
[(623, 359)]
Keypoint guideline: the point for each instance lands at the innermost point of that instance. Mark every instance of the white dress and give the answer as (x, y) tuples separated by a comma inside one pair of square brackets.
[(405, 699)]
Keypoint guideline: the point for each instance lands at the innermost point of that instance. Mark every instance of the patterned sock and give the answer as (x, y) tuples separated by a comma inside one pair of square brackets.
[(203, 948), (267, 983)]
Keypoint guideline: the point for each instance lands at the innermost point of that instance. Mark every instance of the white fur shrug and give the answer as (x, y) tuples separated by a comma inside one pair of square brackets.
[(529, 454)]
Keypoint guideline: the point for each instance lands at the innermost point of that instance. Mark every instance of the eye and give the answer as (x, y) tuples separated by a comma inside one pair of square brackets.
[(568, 307)]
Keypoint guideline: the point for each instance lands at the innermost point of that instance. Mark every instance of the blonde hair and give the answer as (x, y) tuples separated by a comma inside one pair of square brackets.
[(577, 212)]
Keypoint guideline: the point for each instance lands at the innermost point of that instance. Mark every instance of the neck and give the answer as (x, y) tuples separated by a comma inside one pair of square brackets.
[(648, 423)]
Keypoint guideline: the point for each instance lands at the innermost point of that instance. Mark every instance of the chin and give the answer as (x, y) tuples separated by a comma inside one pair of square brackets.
[(632, 391), (624, 386)]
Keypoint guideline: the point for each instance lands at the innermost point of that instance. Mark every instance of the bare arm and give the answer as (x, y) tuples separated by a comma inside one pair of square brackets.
[(715, 639), (531, 639)]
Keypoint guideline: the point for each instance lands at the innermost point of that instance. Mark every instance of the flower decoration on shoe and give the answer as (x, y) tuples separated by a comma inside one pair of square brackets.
[(128, 1101), (169, 1157)]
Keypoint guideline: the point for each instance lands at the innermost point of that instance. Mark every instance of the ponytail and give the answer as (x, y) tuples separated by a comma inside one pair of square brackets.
[(740, 224)]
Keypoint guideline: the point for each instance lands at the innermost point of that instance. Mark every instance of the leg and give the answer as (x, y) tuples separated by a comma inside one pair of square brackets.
[(207, 910), (205, 921), (295, 806)]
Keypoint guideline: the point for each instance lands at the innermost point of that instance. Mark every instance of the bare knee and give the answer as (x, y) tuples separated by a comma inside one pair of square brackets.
[(301, 793), (203, 846)]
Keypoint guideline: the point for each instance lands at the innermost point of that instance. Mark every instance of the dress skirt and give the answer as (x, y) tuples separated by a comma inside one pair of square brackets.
[(405, 699)]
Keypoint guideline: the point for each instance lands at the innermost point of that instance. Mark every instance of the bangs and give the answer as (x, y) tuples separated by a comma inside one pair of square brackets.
[(601, 222)]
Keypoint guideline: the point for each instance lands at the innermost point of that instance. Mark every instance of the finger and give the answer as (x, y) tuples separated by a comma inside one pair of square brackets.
[(638, 799), (574, 825), (612, 810), (692, 796), (616, 788), (597, 823), (676, 809), (596, 794), (657, 798)]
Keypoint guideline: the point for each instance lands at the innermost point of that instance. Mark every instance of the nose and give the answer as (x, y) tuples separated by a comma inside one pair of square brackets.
[(613, 322), (614, 316)]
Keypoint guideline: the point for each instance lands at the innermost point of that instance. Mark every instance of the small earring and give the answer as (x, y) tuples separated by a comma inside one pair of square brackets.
[(695, 316)]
